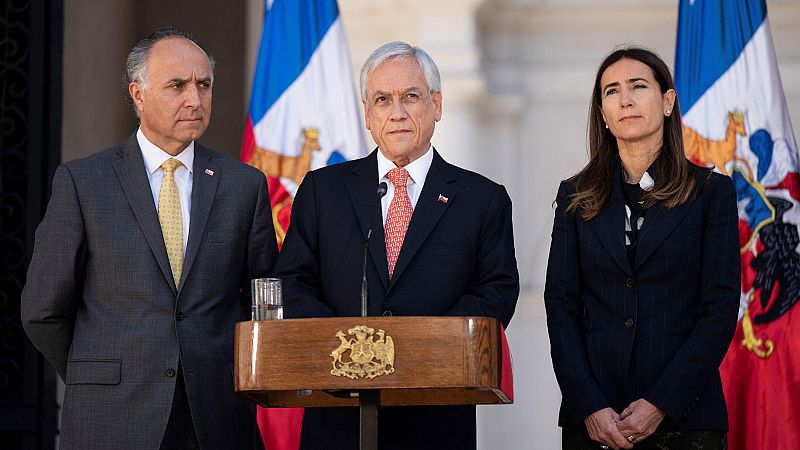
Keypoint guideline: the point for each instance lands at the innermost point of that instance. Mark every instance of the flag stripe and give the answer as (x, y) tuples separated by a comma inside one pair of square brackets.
[(292, 32), (711, 36), (317, 97)]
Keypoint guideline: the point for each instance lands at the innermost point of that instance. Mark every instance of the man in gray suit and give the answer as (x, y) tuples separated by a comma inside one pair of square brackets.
[(141, 266)]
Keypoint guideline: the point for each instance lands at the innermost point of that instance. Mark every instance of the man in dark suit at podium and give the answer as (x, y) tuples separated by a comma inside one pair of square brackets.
[(441, 243), (137, 272)]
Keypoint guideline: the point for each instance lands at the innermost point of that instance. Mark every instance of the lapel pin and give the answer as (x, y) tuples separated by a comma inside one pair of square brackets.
[(443, 199), (209, 172)]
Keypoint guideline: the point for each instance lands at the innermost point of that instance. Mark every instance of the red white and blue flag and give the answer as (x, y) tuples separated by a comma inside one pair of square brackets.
[(736, 119), (304, 114)]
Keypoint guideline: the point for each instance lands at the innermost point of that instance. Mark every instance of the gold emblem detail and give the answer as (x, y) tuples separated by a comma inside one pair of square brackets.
[(277, 165), (763, 348), (367, 358), (718, 153)]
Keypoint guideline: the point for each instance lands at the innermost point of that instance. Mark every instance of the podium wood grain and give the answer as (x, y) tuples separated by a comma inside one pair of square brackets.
[(438, 361)]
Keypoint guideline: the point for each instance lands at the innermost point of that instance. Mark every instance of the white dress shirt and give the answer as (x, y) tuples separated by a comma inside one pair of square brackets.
[(417, 172), (153, 158)]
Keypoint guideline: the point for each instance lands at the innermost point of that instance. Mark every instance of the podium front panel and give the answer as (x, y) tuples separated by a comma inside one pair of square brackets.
[(434, 360)]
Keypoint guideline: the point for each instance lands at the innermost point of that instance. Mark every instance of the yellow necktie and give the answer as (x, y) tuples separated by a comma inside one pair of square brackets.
[(169, 214)]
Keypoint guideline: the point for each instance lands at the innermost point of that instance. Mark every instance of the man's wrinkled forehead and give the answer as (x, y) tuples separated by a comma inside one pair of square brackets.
[(402, 66), (179, 54)]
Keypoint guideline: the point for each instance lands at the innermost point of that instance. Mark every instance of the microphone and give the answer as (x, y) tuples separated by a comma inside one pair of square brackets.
[(382, 188)]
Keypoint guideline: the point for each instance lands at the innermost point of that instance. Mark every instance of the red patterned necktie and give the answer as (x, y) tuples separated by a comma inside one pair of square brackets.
[(398, 217)]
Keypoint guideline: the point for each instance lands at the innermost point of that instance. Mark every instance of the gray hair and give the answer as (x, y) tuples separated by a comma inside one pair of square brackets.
[(399, 49), (136, 64)]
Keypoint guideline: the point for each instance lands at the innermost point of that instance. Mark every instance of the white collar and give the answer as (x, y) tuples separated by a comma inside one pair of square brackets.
[(647, 182), (154, 156), (417, 169)]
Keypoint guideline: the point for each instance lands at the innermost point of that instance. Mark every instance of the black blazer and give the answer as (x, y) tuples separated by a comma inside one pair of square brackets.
[(657, 329), (457, 259)]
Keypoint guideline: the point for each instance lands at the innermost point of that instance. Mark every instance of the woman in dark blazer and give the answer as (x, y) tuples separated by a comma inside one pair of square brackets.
[(643, 276)]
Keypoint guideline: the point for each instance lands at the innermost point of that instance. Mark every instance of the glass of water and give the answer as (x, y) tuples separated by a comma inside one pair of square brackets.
[(267, 299)]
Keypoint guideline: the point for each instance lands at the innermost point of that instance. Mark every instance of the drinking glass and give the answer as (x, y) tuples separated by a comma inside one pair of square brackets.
[(267, 301)]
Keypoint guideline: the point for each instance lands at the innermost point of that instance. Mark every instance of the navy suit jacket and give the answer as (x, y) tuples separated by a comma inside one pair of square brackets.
[(656, 329), (457, 259)]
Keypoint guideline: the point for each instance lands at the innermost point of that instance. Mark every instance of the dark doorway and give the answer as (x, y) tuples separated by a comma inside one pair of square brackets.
[(31, 36)]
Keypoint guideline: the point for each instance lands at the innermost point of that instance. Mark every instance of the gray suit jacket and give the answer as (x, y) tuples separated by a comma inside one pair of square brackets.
[(101, 305)]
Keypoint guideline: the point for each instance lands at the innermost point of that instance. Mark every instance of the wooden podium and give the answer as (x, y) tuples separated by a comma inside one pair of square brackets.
[(431, 361)]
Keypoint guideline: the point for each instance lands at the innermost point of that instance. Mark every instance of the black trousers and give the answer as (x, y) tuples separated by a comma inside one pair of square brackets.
[(576, 438), (180, 434)]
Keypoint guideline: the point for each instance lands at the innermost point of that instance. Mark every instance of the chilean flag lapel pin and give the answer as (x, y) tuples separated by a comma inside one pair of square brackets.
[(443, 199), (209, 172)]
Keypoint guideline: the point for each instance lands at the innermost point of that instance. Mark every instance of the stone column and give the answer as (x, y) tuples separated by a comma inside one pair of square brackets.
[(446, 29)]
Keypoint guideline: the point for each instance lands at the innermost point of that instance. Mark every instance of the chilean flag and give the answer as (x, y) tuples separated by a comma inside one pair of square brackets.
[(304, 114), (736, 119)]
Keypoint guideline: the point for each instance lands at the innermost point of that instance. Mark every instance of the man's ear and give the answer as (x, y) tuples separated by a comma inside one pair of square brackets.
[(136, 91), (437, 104)]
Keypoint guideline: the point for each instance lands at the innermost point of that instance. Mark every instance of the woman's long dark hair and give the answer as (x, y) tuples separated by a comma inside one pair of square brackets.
[(674, 181)]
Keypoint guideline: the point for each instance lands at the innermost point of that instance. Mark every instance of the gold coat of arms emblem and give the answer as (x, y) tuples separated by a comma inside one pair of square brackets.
[(360, 355)]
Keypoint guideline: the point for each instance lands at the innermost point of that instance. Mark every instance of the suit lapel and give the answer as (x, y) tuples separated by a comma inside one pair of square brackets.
[(609, 225), (658, 224), (427, 212), (205, 178), (132, 176), (361, 188)]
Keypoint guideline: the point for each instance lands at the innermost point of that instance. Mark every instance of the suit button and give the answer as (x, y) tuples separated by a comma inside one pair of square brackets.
[(629, 322), (170, 372), (179, 316), (629, 282), (387, 313)]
